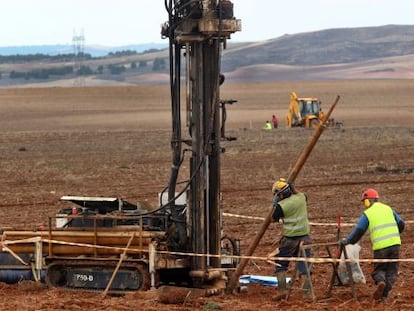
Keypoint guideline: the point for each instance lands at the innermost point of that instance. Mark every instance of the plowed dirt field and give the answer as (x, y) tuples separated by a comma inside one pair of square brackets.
[(115, 141)]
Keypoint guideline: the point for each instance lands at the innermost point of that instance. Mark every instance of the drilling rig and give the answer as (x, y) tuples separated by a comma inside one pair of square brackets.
[(199, 30), (109, 243)]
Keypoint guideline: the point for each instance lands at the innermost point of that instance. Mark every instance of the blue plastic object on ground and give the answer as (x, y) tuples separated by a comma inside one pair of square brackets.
[(260, 279)]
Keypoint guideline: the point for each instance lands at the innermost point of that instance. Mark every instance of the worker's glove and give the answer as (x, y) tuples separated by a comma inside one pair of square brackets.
[(344, 241), (275, 201)]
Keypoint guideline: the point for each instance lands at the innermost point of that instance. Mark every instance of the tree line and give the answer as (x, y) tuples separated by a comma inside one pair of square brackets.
[(158, 64), (12, 59), (27, 58)]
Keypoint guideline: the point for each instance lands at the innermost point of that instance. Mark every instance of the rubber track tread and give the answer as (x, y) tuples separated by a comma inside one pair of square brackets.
[(140, 266)]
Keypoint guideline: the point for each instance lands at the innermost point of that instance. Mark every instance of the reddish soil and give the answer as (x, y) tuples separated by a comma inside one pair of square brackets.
[(114, 141)]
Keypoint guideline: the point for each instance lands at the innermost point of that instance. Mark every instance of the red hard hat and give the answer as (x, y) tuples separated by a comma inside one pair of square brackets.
[(370, 194)]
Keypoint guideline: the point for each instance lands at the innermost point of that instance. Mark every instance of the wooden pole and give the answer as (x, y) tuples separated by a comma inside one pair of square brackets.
[(234, 280), (118, 265)]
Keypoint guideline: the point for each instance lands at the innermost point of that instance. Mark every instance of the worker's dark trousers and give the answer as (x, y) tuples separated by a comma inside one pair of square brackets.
[(289, 247), (386, 271)]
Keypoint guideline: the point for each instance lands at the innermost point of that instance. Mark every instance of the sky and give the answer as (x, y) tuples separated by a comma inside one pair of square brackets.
[(124, 22)]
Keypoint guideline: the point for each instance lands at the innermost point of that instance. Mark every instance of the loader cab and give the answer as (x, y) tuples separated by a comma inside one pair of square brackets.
[(309, 106), (310, 112)]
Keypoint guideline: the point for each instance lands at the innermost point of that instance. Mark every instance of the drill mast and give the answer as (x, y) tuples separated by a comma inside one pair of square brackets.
[(197, 32)]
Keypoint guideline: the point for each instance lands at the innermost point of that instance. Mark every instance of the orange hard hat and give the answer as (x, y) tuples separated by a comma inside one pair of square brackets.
[(370, 194)]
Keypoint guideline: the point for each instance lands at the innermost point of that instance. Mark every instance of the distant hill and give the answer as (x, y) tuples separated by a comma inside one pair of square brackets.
[(384, 52), (367, 52), (331, 46)]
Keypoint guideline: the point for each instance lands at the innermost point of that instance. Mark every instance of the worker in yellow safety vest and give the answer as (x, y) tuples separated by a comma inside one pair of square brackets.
[(268, 126), (290, 207), (384, 226)]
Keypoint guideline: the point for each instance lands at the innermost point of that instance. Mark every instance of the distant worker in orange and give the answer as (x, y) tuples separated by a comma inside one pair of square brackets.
[(275, 121)]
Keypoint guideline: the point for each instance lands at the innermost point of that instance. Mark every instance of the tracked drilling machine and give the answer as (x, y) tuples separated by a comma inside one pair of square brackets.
[(107, 243)]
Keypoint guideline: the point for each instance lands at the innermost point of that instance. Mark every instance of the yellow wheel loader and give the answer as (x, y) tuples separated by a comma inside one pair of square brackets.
[(305, 112)]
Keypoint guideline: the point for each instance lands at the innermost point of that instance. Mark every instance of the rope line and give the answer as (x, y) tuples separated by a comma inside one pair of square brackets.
[(267, 258), (311, 223)]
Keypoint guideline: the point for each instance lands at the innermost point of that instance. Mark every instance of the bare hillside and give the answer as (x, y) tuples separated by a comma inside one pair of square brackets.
[(331, 46), (399, 67)]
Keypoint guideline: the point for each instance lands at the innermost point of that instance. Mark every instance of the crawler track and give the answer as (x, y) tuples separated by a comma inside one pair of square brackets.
[(94, 275)]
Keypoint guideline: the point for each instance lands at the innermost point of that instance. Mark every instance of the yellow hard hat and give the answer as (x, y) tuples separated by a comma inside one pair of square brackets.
[(279, 185)]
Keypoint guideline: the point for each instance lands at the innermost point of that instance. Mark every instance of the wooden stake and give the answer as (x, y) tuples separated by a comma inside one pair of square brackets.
[(118, 265)]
